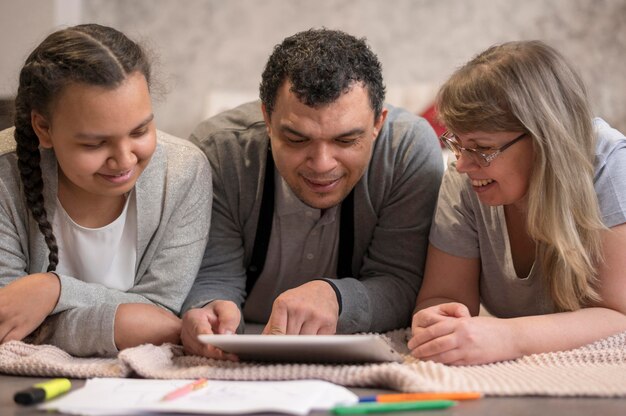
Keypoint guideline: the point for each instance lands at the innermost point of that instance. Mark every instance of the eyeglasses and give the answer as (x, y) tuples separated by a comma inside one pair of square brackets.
[(483, 159)]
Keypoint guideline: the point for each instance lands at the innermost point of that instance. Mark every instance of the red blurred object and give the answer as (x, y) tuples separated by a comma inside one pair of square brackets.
[(430, 114)]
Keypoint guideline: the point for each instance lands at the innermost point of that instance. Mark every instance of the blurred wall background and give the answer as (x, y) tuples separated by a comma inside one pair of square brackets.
[(211, 52)]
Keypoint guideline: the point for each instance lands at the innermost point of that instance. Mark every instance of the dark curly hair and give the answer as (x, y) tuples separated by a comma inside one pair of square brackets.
[(89, 54), (321, 65)]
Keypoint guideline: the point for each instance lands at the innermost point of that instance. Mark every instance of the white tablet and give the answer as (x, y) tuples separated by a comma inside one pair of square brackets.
[(306, 348)]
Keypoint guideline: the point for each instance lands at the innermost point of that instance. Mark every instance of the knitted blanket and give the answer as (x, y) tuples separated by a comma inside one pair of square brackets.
[(597, 369)]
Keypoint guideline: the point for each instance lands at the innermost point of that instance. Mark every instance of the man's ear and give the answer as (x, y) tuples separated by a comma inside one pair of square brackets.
[(378, 124), (266, 118), (41, 126)]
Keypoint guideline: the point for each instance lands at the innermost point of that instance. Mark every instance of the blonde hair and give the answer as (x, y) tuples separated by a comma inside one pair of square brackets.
[(528, 86)]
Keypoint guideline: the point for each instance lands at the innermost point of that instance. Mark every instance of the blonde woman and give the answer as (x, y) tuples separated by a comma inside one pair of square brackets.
[(530, 218)]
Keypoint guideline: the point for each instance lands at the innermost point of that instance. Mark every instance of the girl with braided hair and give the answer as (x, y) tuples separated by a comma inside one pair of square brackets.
[(103, 219)]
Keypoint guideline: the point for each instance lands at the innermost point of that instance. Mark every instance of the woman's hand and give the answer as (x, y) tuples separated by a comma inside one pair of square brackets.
[(25, 303), (142, 323), (448, 334)]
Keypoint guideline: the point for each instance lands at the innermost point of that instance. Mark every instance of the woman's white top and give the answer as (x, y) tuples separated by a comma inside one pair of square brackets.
[(105, 255)]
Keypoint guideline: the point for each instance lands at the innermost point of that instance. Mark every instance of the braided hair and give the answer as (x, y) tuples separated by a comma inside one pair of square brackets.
[(89, 54)]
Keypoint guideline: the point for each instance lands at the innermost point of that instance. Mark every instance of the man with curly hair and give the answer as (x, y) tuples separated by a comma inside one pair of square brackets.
[(323, 198)]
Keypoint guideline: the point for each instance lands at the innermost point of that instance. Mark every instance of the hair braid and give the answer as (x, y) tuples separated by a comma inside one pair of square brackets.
[(28, 164)]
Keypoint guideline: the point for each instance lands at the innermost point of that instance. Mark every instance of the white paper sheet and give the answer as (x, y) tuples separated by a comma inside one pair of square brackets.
[(113, 396)]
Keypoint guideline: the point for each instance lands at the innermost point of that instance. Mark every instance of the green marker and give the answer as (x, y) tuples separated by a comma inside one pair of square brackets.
[(372, 407), (43, 391)]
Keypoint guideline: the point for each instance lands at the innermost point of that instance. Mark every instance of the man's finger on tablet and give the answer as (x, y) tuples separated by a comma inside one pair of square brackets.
[(277, 324)]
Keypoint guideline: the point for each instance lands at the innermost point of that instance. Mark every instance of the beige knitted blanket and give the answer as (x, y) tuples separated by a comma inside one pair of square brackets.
[(598, 369)]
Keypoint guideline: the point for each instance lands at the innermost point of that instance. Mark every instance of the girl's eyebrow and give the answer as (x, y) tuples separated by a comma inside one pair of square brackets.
[(96, 136), (145, 122)]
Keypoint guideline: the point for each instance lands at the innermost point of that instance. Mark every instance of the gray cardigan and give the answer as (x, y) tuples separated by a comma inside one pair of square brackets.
[(394, 203), (174, 197)]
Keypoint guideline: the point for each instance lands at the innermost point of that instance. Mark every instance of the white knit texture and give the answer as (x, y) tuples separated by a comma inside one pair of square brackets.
[(598, 369)]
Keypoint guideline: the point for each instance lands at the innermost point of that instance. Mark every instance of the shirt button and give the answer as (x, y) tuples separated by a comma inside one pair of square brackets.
[(310, 256), (309, 214)]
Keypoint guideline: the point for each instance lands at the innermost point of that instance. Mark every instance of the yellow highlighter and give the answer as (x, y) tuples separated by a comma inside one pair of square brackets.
[(43, 391)]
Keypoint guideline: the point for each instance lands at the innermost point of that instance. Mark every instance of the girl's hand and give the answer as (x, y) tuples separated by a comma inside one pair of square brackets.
[(448, 334), (25, 303)]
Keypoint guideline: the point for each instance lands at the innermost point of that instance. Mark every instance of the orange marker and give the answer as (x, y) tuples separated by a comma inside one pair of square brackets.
[(406, 397)]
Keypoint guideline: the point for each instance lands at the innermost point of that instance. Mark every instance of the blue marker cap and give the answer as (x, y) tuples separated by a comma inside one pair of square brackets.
[(366, 399)]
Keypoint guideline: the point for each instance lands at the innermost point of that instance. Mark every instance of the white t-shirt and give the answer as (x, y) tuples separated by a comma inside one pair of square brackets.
[(106, 255)]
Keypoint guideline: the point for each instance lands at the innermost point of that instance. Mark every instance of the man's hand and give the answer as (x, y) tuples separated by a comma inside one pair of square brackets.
[(309, 309), (217, 317), (25, 303)]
